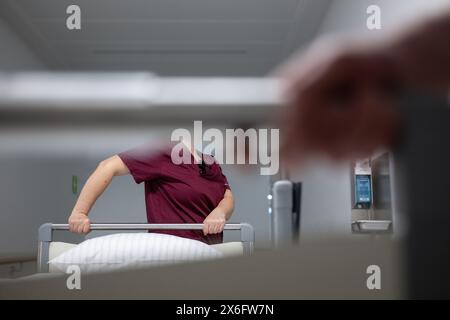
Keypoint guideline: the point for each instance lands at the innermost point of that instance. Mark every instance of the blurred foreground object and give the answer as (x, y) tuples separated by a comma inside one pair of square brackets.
[(343, 93), (422, 195)]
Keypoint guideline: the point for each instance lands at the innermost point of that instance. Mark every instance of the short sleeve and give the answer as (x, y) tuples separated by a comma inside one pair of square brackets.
[(224, 179), (144, 162)]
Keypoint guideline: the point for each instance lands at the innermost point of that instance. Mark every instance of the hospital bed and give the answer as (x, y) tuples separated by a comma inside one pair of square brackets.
[(49, 249)]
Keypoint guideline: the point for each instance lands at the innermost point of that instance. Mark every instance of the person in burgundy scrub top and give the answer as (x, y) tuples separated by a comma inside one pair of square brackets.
[(195, 192)]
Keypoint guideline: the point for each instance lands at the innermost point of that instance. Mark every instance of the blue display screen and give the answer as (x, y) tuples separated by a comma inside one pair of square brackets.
[(363, 189)]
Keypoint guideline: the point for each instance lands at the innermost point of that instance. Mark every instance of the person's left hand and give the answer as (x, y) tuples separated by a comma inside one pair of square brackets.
[(214, 222)]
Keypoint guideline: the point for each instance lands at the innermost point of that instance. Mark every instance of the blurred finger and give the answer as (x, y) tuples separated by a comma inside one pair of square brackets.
[(80, 228), (86, 227)]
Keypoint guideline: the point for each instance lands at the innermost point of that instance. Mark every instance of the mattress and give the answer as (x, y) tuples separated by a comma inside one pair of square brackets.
[(228, 249)]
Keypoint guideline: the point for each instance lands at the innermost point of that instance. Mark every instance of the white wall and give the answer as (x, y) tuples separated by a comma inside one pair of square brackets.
[(22, 186), (33, 190), (14, 54), (326, 200)]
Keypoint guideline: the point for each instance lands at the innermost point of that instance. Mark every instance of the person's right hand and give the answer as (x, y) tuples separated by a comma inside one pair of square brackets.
[(339, 102), (79, 223)]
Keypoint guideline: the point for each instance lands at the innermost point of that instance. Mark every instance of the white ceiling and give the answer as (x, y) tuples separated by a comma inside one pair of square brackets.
[(169, 37)]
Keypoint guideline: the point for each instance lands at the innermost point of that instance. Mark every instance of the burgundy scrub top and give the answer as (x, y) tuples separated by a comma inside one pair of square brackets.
[(177, 193)]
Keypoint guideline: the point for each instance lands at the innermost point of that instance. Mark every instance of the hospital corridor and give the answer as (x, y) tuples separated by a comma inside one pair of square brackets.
[(224, 150)]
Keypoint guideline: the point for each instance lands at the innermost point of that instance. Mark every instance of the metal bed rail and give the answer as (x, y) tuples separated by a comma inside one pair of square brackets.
[(45, 234)]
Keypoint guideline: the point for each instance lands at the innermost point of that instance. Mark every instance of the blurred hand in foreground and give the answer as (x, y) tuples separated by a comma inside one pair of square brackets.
[(341, 94)]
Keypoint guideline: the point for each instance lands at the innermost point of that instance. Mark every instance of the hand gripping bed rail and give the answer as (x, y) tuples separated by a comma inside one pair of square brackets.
[(46, 234)]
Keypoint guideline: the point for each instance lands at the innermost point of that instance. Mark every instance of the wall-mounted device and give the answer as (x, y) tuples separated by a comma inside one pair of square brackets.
[(362, 185), (370, 208), (363, 191)]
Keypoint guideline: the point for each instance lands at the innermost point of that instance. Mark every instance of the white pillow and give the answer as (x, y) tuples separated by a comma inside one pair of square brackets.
[(131, 250)]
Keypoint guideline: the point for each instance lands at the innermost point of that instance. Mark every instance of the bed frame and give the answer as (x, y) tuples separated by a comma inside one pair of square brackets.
[(45, 236)]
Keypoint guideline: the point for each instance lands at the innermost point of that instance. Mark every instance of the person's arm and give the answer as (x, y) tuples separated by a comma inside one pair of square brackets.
[(215, 221), (94, 187)]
